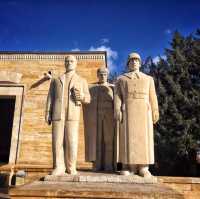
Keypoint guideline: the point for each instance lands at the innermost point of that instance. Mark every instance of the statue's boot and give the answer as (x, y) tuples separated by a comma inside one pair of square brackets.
[(72, 171), (144, 171), (58, 171), (133, 169), (125, 170)]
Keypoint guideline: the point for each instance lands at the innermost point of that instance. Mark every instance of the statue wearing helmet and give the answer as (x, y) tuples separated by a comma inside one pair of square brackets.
[(136, 109)]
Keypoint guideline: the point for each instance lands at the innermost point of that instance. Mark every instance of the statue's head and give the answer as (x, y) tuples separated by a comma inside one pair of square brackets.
[(102, 74), (70, 63), (134, 61)]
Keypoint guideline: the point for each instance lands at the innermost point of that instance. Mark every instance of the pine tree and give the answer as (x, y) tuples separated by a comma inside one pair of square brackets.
[(177, 81)]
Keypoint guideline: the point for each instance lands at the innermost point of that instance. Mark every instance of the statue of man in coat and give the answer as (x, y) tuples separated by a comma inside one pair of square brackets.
[(136, 109), (66, 93), (99, 123)]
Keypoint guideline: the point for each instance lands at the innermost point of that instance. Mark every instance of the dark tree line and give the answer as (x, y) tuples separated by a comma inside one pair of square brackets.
[(177, 80)]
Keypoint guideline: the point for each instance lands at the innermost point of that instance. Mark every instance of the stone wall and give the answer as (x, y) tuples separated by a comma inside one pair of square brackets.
[(35, 135)]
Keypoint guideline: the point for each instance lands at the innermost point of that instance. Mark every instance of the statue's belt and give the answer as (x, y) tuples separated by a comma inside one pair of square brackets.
[(135, 95)]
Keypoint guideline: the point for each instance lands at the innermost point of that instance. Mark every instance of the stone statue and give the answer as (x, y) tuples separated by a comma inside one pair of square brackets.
[(99, 123), (66, 93), (136, 109)]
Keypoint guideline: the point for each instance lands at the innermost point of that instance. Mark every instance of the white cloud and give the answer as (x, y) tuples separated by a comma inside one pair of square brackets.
[(157, 59), (112, 55), (75, 49), (168, 31), (104, 41)]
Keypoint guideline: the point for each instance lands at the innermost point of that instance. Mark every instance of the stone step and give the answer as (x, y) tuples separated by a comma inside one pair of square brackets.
[(79, 190)]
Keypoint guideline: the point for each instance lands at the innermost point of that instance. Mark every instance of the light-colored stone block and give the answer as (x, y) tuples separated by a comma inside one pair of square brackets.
[(92, 177), (13, 77)]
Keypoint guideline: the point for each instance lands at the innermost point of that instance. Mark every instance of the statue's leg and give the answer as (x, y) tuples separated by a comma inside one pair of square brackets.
[(98, 161), (133, 168), (144, 170), (125, 170), (71, 144), (57, 144), (108, 135)]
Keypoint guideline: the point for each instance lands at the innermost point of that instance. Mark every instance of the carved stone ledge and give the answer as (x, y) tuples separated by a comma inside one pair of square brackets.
[(11, 57), (10, 77)]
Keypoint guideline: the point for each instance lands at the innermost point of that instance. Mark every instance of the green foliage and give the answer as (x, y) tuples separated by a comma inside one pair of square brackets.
[(177, 82)]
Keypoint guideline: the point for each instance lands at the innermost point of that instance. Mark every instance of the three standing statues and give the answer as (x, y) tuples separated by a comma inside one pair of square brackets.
[(118, 119)]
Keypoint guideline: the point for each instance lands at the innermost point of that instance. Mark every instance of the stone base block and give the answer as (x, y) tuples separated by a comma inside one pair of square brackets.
[(101, 178)]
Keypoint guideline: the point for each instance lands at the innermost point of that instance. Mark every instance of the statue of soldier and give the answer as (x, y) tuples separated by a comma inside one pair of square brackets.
[(99, 123), (66, 93), (136, 109)]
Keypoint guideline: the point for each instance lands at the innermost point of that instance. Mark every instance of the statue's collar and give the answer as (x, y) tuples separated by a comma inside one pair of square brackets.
[(70, 74), (133, 75)]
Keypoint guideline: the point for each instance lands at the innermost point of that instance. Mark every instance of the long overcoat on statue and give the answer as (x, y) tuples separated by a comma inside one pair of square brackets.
[(101, 105), (136, 98)]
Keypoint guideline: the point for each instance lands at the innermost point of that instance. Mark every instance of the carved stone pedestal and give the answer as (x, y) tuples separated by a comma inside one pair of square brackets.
[(95, 185), (91, 177)]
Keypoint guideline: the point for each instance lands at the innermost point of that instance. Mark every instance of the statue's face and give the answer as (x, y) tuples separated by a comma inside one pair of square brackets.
[(70, 63), (103, 77), (134, 64)]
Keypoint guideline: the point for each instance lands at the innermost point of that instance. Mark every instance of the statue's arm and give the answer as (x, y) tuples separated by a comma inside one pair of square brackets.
[(86, 94), (118, 101), (49, 103), (153, 101)]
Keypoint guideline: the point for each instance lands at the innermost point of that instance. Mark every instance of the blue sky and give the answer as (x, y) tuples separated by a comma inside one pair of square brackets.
[(118, 26)]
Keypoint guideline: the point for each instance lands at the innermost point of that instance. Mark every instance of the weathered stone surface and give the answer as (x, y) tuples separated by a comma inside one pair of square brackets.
[(13, 77)]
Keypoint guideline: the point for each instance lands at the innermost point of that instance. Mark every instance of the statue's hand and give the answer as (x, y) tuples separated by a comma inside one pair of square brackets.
[(118, 116), (77, 95), (155, 116), (48, 119)]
